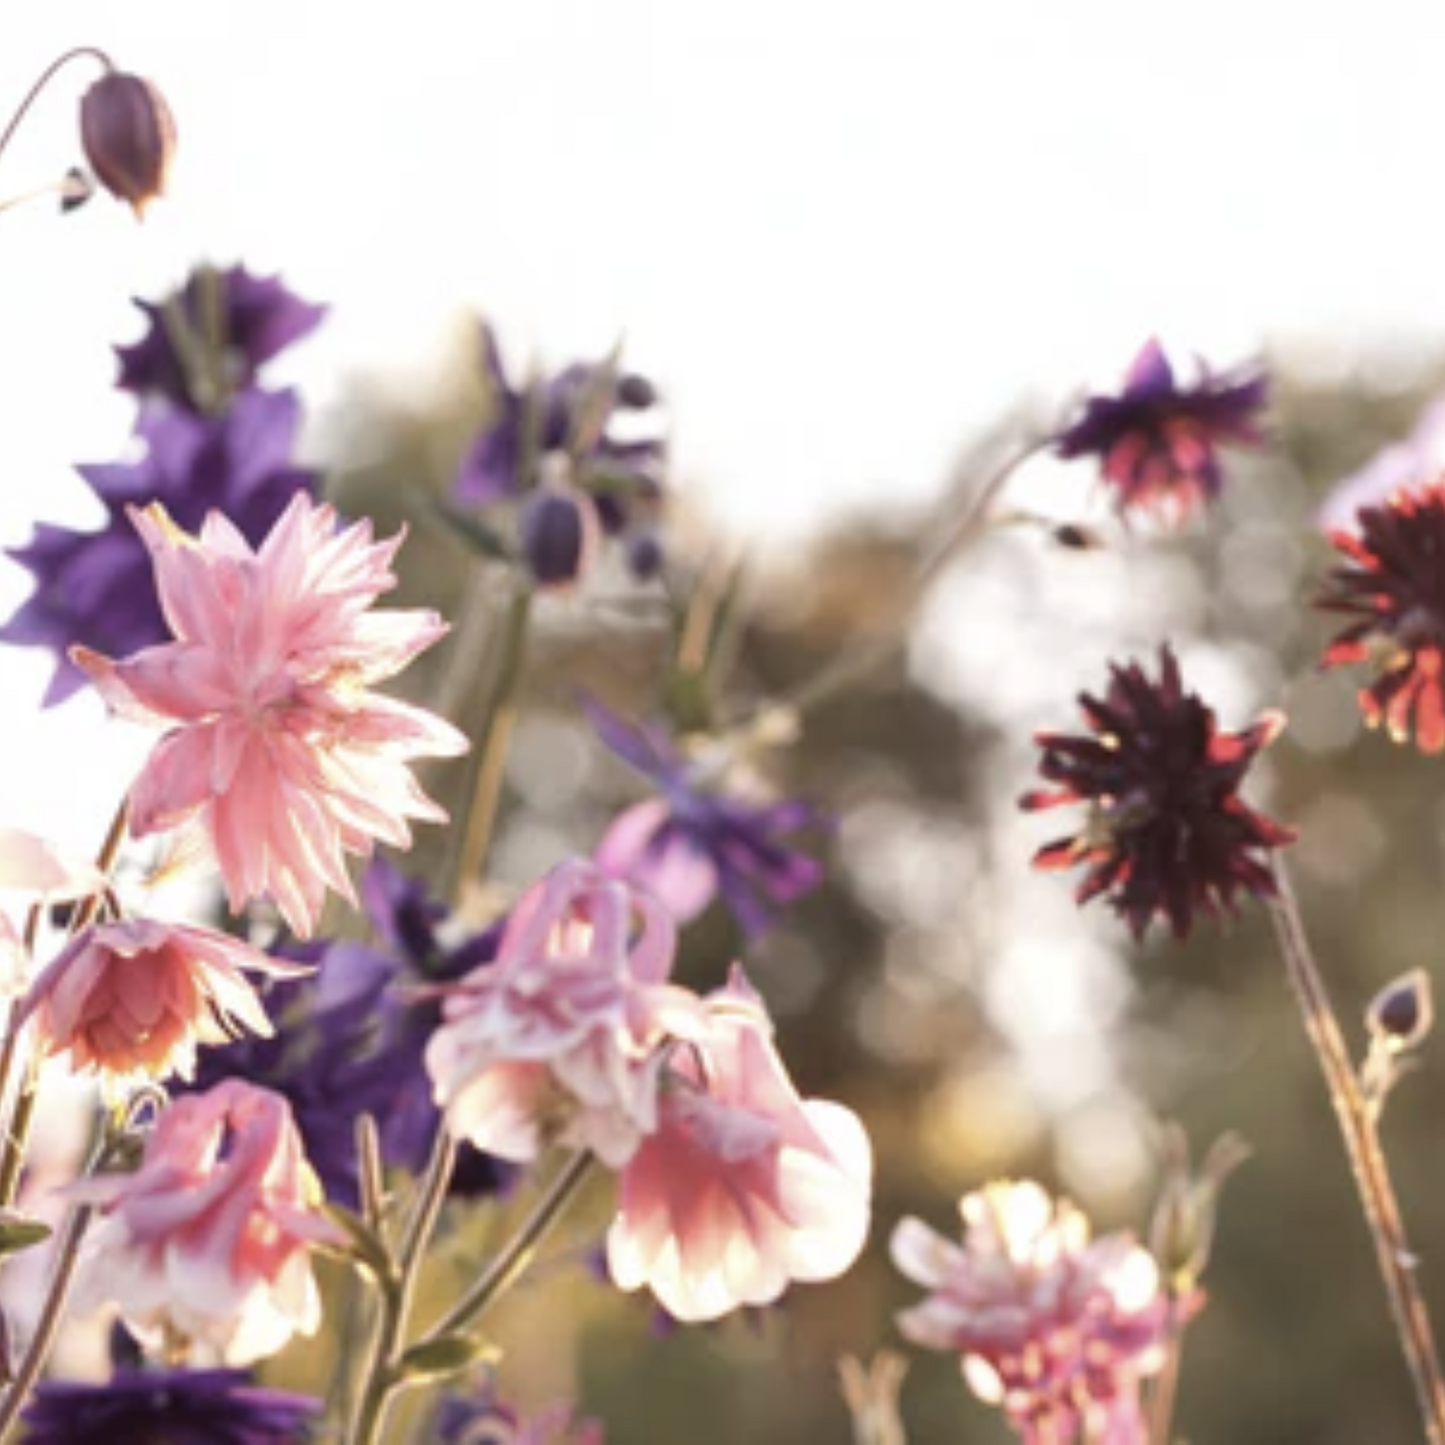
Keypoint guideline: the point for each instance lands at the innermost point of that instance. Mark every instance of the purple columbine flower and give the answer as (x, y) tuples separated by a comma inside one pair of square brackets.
[(210, 339), (350, 1039), (168, 1407), (484, 1420), (531, 426), (1158, 441), (695, 843), (97, 588)]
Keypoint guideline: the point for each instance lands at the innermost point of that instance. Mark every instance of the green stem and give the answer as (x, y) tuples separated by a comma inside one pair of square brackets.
[(1166, 1382), (383, 1377), (490, 759), (518, 1252), (1367, 1160)]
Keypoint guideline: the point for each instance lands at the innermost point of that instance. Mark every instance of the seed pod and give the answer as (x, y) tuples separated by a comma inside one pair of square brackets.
[(129, 137)]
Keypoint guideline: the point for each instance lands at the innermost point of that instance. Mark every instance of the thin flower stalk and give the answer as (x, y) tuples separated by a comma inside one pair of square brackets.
[(1358, 1128), (80, 52)]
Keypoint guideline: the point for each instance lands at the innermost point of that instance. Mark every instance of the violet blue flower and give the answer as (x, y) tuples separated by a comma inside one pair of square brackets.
[(97, 588), (695, 843), (168, 1407), (210, 339), (350, 1038), (531, 425)]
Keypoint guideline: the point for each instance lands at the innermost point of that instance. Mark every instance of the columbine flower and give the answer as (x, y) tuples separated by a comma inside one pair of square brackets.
[(210, 339), (571, 415), (1392, 581), (1158, 441), (30, 865), (1167, 833), (1054, 1327), (129, 137), (206, 1246), (696, 842), (167, 1407), (95, 588), (743, 1187), (351, 1036), (275, 749), (557, 1041), (133, 999)]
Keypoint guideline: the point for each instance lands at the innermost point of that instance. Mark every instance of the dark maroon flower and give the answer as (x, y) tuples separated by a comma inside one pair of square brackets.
[(558, 531), (168, 1407), (1158, 442), (1392, 581), (1167, 832), (129, 137), (210, 339)]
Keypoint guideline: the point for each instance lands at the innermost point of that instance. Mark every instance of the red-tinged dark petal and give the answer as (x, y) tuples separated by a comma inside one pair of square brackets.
[(129, 137), (1167, 836)]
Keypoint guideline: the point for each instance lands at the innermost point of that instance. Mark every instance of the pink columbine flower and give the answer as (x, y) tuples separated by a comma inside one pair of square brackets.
[(1054, 1327), (36, 867), (558, 1039), (206, 1246), (132, 999), (275, 748), (744, 1186)]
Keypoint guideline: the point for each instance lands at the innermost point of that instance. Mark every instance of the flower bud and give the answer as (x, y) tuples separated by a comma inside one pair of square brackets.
[(558, 535), (129, 137), (1400, 1015)]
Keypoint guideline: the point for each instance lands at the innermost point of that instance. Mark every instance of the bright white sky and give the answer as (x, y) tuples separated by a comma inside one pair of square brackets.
[(843, 235)]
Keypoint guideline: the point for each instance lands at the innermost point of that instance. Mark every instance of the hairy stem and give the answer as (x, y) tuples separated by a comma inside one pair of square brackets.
[(1367, 1160)]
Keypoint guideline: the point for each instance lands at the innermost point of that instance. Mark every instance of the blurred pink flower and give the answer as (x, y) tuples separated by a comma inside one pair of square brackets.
[(744, 1186), (557, 1040), (1053, 1327), (205, 1247), (1418, 459), (33, 866), (132, 999), (275, 749)]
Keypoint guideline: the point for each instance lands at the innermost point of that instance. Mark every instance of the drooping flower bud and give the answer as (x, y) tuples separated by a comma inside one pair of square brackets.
[(1400, 1015), (129, 137), (559, 535)]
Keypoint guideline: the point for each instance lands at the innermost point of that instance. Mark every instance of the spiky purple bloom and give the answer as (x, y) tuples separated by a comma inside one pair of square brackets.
[(168, 1407), (1391, 582), (694, 843), (210, 339), (574, 412), (98, 588), (350, 1039), (1158, 441), (1167, 832)]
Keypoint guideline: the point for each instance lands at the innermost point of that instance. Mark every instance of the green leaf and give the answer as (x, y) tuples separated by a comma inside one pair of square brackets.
[(446, 1355), (469, 527), (19, 1231)]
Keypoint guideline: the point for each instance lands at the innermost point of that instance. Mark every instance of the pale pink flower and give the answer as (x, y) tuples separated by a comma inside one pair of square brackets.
[(558, 1039), (1055, 1327), (206, 1247), (275, 748), (744, 1186), (132, 999), (1417, 459), (34, 866)]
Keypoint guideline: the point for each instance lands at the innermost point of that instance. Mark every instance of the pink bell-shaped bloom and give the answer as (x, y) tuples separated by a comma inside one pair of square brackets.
[(1051, 1325), (743, 1187), (275, 748), (132, 999), (558, 1040), (206, 1247)]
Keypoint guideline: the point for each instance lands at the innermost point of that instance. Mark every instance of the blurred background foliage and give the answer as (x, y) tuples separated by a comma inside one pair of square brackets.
[(978, 1022)]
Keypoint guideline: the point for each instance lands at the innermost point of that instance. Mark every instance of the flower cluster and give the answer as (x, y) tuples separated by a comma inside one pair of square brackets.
[(1055, 1327)]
